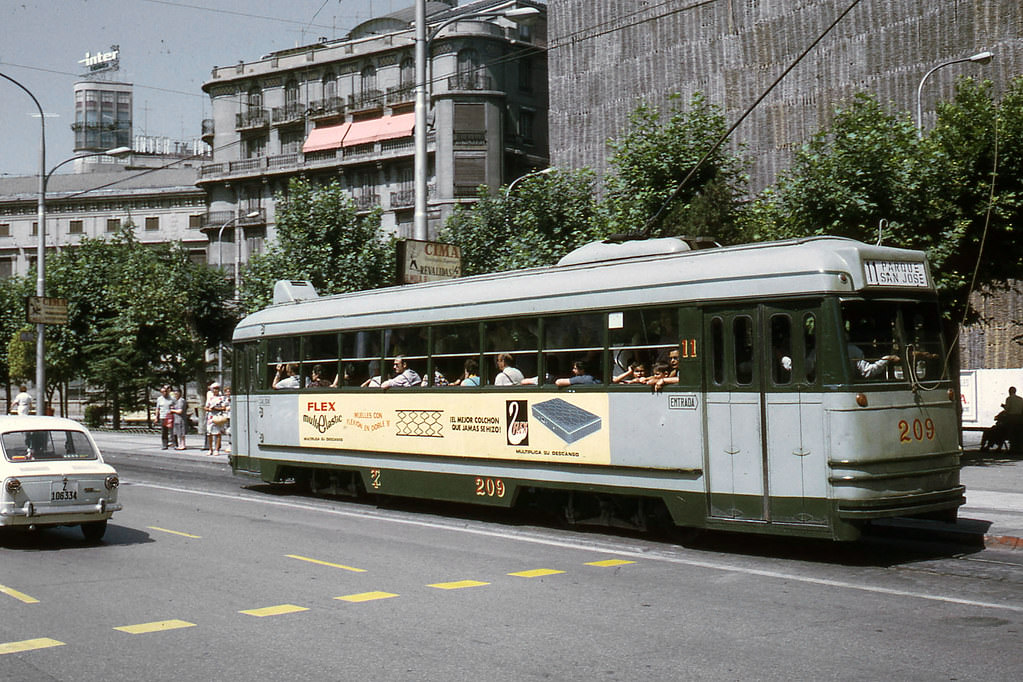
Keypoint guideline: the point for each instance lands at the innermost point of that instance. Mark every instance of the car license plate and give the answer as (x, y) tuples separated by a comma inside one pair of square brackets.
[(64, 491)]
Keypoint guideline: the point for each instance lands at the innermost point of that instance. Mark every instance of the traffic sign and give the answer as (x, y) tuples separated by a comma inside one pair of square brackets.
[(43, 310)]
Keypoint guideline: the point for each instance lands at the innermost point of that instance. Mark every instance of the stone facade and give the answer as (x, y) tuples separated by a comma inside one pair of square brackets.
[(604, 56)]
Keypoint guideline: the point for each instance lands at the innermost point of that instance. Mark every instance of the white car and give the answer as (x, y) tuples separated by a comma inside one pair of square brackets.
[(53, 475)]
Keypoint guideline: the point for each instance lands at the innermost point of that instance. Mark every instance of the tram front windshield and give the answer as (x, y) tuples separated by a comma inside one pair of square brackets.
[(892, 340)]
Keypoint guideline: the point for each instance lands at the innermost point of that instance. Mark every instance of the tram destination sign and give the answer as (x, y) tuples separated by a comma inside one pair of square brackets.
[(420, 261), (888, 273), (43, 310)]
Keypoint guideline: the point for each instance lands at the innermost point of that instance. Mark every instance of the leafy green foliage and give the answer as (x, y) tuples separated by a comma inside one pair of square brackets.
[(138, 315), (653, 157), (545, 217), (320, 238), (869, 166), (13, 291)]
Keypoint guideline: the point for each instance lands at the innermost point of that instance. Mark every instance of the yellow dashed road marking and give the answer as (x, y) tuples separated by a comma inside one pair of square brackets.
[(175, 532), (366, 596), (609, 562), (20, 596), (535, 573), (274, 610), (457, 585), (28, 645), (326, 563), (155, 626)]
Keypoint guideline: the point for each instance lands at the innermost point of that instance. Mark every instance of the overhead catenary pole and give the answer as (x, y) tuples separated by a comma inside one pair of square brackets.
[(419, 216)]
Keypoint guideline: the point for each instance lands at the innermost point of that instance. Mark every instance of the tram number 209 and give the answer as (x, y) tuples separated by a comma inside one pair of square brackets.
[(916, 430), (490, 487)]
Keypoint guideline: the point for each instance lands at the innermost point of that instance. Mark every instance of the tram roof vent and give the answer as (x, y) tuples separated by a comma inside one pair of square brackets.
[(598, 252), (291, 290)]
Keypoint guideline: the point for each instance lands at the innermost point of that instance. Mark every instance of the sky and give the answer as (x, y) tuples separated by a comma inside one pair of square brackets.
[(167, 50)]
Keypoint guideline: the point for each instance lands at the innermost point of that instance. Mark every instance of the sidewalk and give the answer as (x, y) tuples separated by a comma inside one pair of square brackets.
[(992, 515)]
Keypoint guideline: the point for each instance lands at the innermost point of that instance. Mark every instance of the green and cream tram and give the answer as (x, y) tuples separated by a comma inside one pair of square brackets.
[(803, 388)]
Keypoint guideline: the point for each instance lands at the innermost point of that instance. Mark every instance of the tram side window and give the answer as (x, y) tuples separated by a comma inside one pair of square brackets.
[(517, 337), (574, 349), (456, 355), (639, 339), (871, 344), (411, 343), (282, 356), (810, 347), (742, 327), (717, 342), (781, 349), (360, 358), (319, 364)]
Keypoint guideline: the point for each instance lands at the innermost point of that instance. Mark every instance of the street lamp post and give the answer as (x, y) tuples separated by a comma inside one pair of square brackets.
[(979, 58), (237, 245), (508, 11)]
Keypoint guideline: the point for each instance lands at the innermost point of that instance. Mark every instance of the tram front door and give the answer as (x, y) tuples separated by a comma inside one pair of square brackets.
[(734, 409), (765, 444)]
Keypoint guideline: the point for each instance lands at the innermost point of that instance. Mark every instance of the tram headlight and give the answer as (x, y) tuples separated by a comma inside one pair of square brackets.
[(861, 399)]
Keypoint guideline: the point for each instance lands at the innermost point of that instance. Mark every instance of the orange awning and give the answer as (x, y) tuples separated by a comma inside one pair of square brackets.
[(385, 128), (327, 137)]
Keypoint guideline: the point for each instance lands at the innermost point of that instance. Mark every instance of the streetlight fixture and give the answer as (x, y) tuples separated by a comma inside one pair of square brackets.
[(534, 174), (516, 14), (979, 58)]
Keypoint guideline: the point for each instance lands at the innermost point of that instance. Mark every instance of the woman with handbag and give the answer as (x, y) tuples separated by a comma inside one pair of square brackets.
[(217, 408)]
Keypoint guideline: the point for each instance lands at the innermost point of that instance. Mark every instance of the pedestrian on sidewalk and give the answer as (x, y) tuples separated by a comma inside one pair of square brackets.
[(1012, 409), (217, 407), (22, 402), (179, 410), (164, 416)]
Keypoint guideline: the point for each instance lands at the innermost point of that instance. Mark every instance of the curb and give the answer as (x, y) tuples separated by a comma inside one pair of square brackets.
[(1003, 542)]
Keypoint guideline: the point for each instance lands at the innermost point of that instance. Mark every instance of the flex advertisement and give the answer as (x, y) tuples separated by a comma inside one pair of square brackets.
[(497, 426)]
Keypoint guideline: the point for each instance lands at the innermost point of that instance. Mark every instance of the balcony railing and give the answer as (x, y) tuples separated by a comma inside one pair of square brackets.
[(367, 99), (403, 198), (397, 146), (289, 113), (400, 94), (470, 81), (470, 139), (253, 118), (331, 106), (283, 160), (360, 150), (244, 165), (366, 202), (214, 220)]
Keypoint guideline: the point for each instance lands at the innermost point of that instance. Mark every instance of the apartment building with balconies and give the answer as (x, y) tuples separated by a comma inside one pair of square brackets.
[(344, 110)]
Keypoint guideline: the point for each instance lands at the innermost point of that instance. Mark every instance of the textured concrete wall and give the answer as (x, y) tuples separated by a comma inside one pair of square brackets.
[(604, 55)]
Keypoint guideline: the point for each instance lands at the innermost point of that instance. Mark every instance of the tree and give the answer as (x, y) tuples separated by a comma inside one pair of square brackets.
[(653, 157), (869, 166), (546, 217), (320, 238), (13, 291), (138, 315)]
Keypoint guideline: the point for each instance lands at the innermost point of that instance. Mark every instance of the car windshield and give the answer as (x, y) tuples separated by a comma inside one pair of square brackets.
[(884, 339), (42, 445)]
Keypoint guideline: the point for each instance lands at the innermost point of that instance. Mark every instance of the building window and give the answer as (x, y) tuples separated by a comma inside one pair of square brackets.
[(195, 221), (329, 86), (526, 120), (255, 100), (526, 74), (469, 69), (113, 224), (5, 229), (291, 141), (291, 93), (152, 224), (255, 147), (369, 81), (35, 229), (407, 73), (6, 268), (75, 227)]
